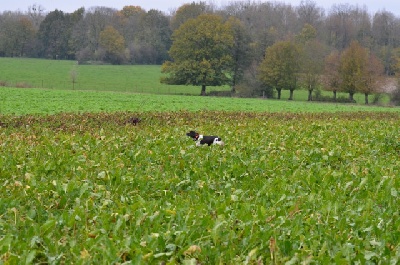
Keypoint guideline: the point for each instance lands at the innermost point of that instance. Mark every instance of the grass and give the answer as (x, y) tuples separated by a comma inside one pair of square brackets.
[(20, 101), (58, 74)]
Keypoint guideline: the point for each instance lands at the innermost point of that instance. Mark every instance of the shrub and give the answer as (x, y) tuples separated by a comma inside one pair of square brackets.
[(84, 55), (395, 97), (23, 85), (226, 93), (377, 99), (331, 99)]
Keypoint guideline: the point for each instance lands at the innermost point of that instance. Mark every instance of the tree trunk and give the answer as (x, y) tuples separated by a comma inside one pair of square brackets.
[(279, 93), (351, 97), (310, 95), (366, 98), (334, 95), (291, 94), (233, 90), (203, 90)]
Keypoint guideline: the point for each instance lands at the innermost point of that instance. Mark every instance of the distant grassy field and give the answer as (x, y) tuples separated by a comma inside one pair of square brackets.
[(20, 101), (55, 74), (52, 74)]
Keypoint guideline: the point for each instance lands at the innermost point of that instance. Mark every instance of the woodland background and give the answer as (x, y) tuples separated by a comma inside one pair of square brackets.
[(103, 35)]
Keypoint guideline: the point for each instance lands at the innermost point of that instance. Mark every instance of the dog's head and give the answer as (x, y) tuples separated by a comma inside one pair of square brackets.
[(192, 134)]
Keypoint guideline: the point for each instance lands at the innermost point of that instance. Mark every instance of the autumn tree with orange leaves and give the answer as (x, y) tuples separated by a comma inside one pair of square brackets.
[(331, 77), (359, 71)]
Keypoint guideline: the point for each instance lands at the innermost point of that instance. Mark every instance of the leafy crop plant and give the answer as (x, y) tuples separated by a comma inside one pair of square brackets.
[(285, 189)]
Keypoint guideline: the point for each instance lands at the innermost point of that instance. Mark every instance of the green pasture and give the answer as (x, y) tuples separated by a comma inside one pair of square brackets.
[(287, 188), (59, 74), (20, 101)]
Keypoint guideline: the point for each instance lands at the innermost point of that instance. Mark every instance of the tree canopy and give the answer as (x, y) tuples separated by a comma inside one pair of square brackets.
[(352, 64), (359, 70), (201, 53), (218, 45), (241, 51), (313, 53), (186, 12), (279, 68), (113, 44)]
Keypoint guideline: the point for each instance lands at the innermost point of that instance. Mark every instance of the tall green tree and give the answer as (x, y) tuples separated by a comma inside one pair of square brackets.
[(241, 51), (280, 67), (54, 35), (201, 53)]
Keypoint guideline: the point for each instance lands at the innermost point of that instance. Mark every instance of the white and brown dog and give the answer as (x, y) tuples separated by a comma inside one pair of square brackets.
[(203, 139)]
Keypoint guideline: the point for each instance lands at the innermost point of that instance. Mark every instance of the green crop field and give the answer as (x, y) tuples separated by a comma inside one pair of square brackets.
[(286, 188), (20, 101), (296, 182)]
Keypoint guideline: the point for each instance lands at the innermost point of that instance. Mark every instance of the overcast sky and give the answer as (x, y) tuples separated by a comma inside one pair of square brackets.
[(168, 5)]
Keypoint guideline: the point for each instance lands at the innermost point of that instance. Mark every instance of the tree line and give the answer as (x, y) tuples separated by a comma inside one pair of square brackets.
[(252, 46)]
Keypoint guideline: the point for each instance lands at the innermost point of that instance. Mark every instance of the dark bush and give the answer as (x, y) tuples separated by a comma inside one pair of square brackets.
[(322, 98), (220, 93), (395, 97)]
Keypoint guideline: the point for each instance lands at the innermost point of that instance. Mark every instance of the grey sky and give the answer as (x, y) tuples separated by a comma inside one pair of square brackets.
[(166, 6)]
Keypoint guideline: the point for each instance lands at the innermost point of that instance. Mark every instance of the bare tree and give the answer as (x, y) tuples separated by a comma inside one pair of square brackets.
[(340, 27), (74, 75), (309, 13), (37, 14), (383, 28)]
